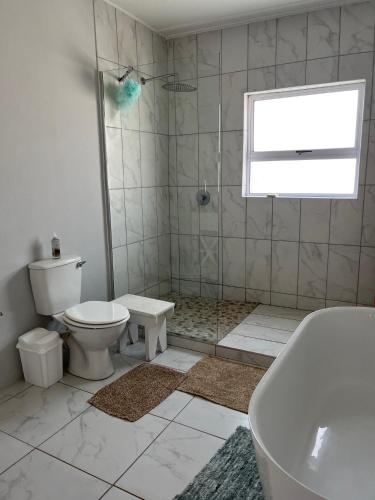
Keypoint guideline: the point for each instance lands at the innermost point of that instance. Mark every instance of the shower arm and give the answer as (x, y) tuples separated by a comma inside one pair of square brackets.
[(145, 80)]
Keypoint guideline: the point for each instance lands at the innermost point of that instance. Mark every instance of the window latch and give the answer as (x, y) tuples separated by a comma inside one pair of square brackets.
[(303, 151)]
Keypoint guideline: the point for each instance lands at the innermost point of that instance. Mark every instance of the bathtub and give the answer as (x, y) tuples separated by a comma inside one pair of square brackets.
[(312, 416)]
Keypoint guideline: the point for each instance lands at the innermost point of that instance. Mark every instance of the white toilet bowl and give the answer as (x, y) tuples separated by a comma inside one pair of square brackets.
[(93, 327)]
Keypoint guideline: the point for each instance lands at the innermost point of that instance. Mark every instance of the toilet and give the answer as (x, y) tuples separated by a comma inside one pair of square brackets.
[(93, 325)]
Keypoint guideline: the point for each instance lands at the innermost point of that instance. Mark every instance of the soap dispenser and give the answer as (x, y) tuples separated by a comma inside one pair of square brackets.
[(55, 244)]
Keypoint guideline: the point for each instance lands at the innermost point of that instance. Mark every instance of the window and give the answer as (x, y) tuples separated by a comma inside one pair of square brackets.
[(303, 142)]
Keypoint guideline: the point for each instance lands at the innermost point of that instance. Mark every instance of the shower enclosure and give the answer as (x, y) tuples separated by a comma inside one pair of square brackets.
[(163, 157)]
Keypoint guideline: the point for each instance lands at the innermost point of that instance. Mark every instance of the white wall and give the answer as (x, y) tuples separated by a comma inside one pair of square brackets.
[(50, 176)]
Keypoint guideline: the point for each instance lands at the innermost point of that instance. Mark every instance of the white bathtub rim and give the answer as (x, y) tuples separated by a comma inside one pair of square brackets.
[(272, 373)]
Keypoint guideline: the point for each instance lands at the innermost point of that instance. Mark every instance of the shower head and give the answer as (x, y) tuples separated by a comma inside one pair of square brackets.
[(179, 87)]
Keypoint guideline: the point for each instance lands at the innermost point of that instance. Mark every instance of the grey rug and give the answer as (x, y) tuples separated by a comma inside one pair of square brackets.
[(232, 474)]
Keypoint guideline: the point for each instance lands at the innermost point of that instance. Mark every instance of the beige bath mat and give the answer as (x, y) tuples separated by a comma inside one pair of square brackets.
[(225, 382), (138, 391)]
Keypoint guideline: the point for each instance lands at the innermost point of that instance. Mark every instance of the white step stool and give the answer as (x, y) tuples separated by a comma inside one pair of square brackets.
[(152, 314)]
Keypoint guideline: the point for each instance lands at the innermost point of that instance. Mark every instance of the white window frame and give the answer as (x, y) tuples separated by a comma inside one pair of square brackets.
[(250, 155)]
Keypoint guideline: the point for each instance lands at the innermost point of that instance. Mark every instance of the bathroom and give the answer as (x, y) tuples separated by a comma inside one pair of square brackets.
[(150, 195)]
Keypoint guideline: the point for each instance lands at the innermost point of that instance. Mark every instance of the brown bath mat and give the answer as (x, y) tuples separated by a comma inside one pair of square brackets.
[(225, 382), (138, 391)]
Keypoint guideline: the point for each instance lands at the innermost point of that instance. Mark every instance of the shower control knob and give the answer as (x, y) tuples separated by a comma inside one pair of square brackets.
[(203, 197)]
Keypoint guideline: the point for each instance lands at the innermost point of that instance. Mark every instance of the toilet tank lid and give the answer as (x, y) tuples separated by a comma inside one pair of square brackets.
[(50, 263)]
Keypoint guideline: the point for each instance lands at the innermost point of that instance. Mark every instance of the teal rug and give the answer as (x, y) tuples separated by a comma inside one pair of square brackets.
[(232, 474)]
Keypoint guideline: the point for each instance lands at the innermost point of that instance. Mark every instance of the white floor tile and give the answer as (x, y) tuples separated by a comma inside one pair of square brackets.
[(254, 345), (212, 418), (11, 450), (41, 477), (123, 364), (280, 312), (262, 332), (179, 359), (136, 351), (172, 405), (272, 322), (102, 445), (170, 463), (8, 392), (35, 414), (117, 494)]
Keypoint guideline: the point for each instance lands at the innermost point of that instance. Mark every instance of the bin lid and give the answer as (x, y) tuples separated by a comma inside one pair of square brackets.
[(38, 340)]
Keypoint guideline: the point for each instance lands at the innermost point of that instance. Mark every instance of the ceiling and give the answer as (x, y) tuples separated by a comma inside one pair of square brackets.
[(177, 17)]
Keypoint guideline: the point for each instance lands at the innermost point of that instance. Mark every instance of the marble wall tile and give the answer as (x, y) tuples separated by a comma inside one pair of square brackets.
[(187, 160), (310, 303), (129, 117), (231, 158), (133, 209), (172, 161), (161, 159), (234, 49), (159, 48), (144, 44), (366, 285), (105, 26), (113, 143), (149, 212), (291, 75), (208, 156), (186, 68), (258, 296), (150, 248), (209, 258), (188, 210), (291, 39), (136, 267), (312, 276), (346, 217), (354, 67), (190, 288), (357, 28), (209, 48), (315, 218), (161, 108), (210, 291), (233, 207), (175, 256), (112, 116), (262, 44), (234, 262), (131, 157), (172, 111), (258, 264), (364, 151), (163, 209), (117, 209), (189, 257), (343, 262), (261, 79), (370, 171), (322, 70), (185, 47), (208, 104), (283, 300), (284, 266), (234, 85), (147, 108), (173, 209), (368, 231), (286, 219), (209, 215), (165, 287), (323, 33), (120, 270), (187, 111), (127, 39), (234, 293), (259, 218), (148, 159)]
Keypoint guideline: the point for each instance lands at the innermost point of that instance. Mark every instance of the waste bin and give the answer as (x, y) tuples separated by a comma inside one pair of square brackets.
[(41, 356)]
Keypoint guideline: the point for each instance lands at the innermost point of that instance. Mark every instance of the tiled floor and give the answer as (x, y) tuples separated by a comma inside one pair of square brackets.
[(53, 445), (265, 331)]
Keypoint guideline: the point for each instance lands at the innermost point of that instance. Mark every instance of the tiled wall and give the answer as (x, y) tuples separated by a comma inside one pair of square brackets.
[(137, 156), (304, 253)]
